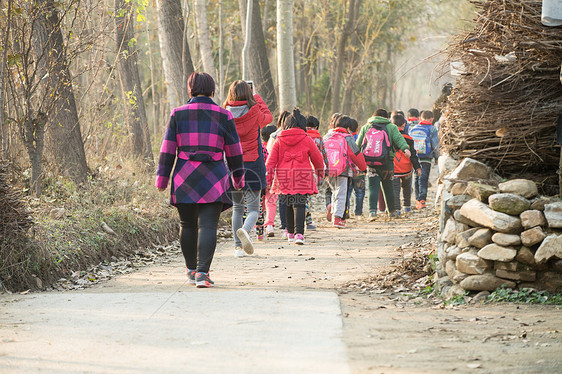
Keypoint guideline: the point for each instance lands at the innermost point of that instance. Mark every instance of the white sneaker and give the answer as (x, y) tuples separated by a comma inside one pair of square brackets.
[(269, 231), (238, 252), (246, 241), (284, 234)]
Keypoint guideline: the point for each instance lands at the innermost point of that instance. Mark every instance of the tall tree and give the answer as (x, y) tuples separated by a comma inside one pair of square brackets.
[(260, 70), (176, 57), (127, 52), (205, 46), (65, 137), (285, 56), (3, 79), (353, 7)]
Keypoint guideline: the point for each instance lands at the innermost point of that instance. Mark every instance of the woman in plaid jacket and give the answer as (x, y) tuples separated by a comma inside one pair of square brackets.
[(201, 135)]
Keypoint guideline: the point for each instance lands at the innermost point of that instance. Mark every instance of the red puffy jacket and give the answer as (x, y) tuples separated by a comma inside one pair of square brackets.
[(290, 164), (248, 126)]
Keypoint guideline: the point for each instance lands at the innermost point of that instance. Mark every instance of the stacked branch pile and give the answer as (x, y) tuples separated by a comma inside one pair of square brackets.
[(504, 109)]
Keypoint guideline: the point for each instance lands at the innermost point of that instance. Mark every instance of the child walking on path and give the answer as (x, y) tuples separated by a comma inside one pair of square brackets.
[(270, 199), (403, 167), (381, 168), (290, 173), (358, 182), (270, 143), (312, 125), (250, 115), (202, 135), (342, 152), (426, 143)]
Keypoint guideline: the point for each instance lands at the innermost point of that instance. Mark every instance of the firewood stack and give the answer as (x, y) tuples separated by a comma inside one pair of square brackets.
[(504, 109)]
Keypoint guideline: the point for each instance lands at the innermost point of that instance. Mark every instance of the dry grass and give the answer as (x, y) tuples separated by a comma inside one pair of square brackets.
[(118, 196)]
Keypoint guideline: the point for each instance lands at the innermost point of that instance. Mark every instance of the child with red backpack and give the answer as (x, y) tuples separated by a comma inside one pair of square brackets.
[(342, 152), (289, 164), (403, 167), (426, 143), (377, 140)]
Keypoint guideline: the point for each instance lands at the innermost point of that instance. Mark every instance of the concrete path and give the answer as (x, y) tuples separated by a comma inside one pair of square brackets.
[(273, 312), (190, 330)]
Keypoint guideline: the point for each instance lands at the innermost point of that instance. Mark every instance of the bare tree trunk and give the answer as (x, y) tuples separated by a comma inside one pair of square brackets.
[(247, 39), (260, 70), (133, 101), (221, 47), (33, 131), (285, 58), (3, 82), (205, 46), (64, 128), (176, 56), (340, 55)]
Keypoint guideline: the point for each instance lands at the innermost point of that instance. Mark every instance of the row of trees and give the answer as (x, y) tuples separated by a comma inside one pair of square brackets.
[(86, 80)]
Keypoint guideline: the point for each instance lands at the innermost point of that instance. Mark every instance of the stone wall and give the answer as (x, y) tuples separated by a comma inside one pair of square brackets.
[(497, 233)]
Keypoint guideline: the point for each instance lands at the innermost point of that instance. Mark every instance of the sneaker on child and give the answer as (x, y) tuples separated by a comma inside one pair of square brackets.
[(238, 252), (290, 237), (372, 216), (284, 234), (269, 231), (339, 223), (202, 280), (299, 239), (246, 241), (310, 227)]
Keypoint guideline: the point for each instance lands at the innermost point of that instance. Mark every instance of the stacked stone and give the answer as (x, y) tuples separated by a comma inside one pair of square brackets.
[(497, 234)]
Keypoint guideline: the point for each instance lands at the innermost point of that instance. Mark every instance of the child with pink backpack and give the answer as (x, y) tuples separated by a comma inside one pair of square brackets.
[(378, 139), (342, 152)]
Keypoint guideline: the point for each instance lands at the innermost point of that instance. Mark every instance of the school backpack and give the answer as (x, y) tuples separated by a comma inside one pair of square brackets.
[(421, 134), (402, 163), (336, 152), (376, 145)]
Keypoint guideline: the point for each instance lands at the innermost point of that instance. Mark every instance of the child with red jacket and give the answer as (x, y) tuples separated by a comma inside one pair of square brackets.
[(289, 163), (403, 167), (250, 115)]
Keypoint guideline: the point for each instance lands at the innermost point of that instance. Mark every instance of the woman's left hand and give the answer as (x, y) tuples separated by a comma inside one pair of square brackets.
[(161, 189)]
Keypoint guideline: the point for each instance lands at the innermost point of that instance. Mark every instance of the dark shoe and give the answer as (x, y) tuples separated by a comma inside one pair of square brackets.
[(202, 280), (191, 276), (329, 212), (310, 227)]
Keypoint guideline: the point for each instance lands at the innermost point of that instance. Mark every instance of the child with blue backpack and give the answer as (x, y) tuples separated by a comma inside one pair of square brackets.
[(426, 144), (342, 153), (377, 140)]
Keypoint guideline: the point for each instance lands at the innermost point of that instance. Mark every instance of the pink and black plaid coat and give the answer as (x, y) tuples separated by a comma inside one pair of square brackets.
[(201, 135)]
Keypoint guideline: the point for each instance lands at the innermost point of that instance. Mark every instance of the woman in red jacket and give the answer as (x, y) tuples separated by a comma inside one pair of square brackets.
[(250, 115), (290, 164)]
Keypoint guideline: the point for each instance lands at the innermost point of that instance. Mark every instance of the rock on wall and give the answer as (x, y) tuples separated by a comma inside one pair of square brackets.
[(497, 234)]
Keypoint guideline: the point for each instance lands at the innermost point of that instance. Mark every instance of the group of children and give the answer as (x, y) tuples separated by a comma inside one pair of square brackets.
[(386, 152)]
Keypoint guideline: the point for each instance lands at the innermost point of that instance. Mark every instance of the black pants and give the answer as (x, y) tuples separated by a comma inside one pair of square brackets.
[(198, 234), (296, 212)]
